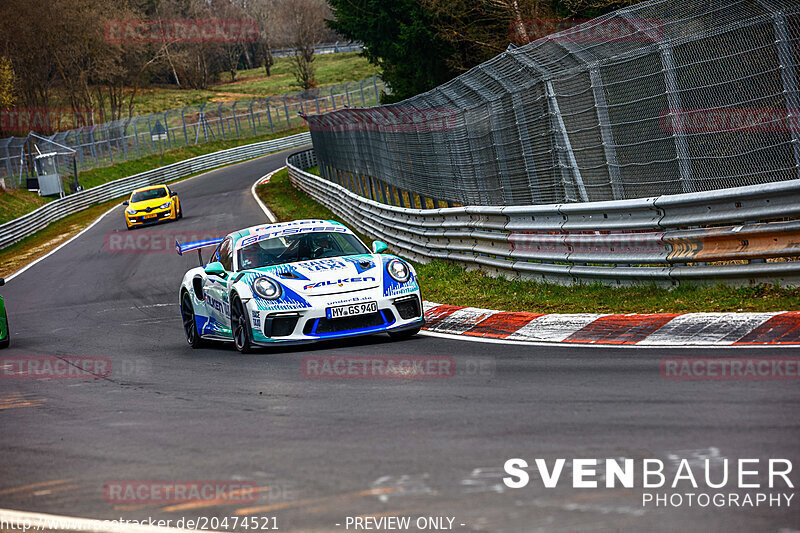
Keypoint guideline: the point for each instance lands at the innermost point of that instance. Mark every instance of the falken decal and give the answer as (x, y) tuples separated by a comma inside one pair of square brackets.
[(339, 282)]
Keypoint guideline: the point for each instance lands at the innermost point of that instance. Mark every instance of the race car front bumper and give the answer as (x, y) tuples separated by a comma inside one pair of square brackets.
[(395, 314), (153, 217)]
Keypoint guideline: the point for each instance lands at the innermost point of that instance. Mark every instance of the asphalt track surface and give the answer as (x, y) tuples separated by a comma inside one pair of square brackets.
[(332, 448)]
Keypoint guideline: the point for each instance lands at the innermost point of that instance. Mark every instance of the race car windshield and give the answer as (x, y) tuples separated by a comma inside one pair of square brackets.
[(150, 194), (301, 247)]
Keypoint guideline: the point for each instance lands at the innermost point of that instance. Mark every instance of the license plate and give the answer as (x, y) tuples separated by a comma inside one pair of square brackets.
[(151, 215), (342, 311)]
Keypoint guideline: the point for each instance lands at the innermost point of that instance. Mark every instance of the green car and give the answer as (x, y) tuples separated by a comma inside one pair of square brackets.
[(5, 336)]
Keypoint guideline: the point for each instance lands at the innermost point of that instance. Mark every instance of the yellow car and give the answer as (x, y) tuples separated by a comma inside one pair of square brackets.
[(150, 205)]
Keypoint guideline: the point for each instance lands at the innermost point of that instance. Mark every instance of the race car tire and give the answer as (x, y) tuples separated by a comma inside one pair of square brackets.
[(401, 335), (128, 226), (189, 323), (180, 211), (240, 326)]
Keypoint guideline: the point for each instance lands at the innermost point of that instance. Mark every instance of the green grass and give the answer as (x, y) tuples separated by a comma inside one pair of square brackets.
[(446, 282), (30, 248), (254, 83), (17, 202)]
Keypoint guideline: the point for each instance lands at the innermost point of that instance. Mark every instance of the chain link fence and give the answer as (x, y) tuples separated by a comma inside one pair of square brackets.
[(134, 137), (660, 98)]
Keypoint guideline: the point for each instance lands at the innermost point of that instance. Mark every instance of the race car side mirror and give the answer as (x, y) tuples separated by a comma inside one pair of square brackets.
[(126, 203), (215, 269), (378, 247)]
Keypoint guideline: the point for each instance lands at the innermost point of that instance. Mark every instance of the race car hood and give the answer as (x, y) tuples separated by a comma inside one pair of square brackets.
[(152, 204), (332, 275)]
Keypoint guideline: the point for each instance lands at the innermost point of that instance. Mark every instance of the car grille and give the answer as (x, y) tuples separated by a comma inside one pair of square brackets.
[(324, 326), (408, 307)]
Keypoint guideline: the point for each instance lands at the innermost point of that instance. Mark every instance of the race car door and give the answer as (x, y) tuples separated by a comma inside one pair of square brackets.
[(215, 289)]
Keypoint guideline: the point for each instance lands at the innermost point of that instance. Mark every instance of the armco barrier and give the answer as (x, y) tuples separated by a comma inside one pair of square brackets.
[(26, 225), (663, 240)]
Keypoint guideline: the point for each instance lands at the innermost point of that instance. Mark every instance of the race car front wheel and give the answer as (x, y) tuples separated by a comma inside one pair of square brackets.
[(189, 323), (240, 326)]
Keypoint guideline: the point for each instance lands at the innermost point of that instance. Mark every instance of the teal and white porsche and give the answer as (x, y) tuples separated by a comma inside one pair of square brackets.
[(297, 282)]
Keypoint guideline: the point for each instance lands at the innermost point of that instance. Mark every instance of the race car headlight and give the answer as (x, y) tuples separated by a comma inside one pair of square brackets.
[(266, 288), (131, 211), (398, 270), (164, 206)]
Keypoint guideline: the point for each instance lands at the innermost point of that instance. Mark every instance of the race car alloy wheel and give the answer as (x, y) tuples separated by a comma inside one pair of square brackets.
[(240, 326), (189, 324)]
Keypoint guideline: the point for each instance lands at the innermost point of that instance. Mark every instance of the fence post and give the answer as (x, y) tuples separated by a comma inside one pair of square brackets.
[(347, 93), (673, 97), (253, 118), (221, 125), (166, 127), (183, 121), (601, 106), (286, 109), (361, 88), (783, 41), (235, 119)]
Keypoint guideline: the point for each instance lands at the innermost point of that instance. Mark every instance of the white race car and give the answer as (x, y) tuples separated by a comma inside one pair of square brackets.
[(296, 282)]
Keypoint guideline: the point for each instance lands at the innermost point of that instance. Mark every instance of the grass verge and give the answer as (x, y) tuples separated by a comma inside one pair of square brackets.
[(40, 243), (449, 283)]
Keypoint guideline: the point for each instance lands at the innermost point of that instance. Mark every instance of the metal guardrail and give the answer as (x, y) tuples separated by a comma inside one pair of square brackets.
[(26, 225), (664, 240)]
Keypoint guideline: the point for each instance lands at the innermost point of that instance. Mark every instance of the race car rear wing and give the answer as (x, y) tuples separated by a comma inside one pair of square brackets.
[(196, 245)]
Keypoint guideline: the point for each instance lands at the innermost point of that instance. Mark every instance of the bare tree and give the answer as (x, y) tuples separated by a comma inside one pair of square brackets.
[(301, 25), (263, 12)]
